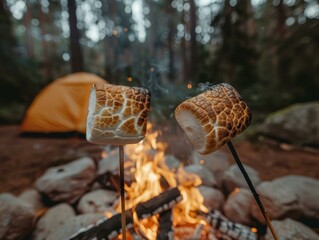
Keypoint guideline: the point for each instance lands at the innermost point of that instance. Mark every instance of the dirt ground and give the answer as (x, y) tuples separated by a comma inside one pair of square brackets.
[(23, 160)]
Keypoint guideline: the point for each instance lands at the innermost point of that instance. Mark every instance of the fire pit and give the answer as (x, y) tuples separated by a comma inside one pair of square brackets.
[(161, 203)]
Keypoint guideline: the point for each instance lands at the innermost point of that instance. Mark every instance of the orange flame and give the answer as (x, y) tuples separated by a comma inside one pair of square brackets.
[(149, 171)]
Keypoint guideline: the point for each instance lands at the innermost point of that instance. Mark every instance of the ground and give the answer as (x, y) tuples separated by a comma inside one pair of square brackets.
[(23, 160)]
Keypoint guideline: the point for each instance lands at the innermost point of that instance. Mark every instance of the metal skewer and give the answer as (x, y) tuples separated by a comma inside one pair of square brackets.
[(252, 189), (123, 215)]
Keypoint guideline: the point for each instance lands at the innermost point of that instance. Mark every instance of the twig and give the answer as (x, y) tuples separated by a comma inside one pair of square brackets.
[(121, 154), (252, 189)]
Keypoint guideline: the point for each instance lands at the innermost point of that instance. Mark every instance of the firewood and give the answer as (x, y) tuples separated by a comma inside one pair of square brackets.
[(228, 228), (164, 201), (110, 228), (165, 229), (104, 228)]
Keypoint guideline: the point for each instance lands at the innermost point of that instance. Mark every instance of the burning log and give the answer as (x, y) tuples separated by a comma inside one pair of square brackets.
[(165, 230), (104, 228), (228, 228), (197, 232), (164, 201), (110, 228)]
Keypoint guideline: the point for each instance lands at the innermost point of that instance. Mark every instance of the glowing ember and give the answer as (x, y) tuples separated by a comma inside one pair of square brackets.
[(150, 172), (190, 86), (254, 230)]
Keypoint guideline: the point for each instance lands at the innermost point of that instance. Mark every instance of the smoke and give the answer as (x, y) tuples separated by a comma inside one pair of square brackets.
[(202, 87), (154, 82)]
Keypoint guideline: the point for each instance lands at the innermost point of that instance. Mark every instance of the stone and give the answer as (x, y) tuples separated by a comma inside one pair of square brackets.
[(289, 197), (238, 206), (67, 183), (96, 186), (73, 225), (97, 201), (17, 217), (289, 229), (213, 198), (52, 219), (297, 124), (34, 198), (233, 178), (217, 162), (171, 162), (110, 165), (207, 177)]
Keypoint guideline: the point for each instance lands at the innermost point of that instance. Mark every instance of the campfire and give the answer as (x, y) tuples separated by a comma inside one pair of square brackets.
[(161, 203)]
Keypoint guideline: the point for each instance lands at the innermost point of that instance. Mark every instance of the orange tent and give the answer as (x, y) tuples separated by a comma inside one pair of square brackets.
[(61, 106)]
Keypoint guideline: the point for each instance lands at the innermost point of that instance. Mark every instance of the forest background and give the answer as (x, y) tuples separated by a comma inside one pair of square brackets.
[(269, 50)]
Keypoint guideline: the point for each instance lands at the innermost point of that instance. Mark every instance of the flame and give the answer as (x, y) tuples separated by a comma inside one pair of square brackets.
[(108, 214), (150, 171), (104, 154)]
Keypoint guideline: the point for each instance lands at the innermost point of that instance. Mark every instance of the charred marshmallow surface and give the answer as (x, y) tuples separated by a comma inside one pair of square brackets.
[(213, 117), (117, 114)]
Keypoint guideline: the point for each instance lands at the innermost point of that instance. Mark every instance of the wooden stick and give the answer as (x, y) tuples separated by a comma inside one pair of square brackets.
[(252, 189), (121, 155)]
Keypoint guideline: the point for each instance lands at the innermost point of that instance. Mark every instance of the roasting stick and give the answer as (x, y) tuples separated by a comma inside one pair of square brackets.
[(252, 189), (212, 119), (117, 116), (123, 215)]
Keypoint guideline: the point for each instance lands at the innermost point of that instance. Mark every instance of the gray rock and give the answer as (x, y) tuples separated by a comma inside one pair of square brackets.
[(96, 186), (238, 206), (52, 219), (207, 177), (97, 201), (289, 229), (171, 162), (33, 197), (289, 196), (109, 164), (213, 198), (73, 225), (16, 219), (233, 178), (217, 162), (298, 123), (67, 183)]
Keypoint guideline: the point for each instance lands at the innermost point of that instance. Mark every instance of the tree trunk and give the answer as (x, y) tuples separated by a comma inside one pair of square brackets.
[(115, 36), (282, 28), (170, 41), (46, 60), (28, 26), (193, 43), (7, 40), (76, 55), (185, 77)]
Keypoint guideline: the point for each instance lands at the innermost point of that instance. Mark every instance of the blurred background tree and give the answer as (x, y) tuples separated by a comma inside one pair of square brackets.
[(267, 49)]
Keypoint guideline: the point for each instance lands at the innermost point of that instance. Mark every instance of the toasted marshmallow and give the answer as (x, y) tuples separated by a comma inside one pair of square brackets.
[(117, 115), (213, 117)]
